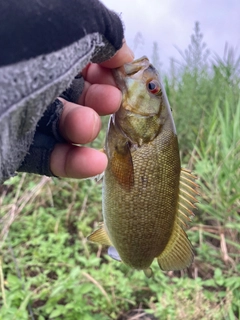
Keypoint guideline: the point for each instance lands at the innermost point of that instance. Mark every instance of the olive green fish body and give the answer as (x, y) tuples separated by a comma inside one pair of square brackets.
[(144, 209), (148, 204)]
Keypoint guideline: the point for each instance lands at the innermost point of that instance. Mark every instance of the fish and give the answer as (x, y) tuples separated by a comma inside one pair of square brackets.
[(148, 199)]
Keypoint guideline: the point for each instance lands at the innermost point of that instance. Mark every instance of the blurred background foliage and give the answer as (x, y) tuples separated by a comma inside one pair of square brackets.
[(49, 271)]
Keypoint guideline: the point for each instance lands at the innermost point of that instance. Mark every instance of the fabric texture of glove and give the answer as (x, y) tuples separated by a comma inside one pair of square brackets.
[(46, 136), (45, 48)]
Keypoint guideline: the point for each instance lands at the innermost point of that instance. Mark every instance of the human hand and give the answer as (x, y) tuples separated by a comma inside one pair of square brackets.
[(80, 123)]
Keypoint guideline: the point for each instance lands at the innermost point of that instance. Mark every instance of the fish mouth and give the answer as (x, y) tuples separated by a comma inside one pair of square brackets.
[(130, 69), (137, 65)]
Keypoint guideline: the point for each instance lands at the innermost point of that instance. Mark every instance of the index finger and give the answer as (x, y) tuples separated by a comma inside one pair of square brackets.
[(96, 74), (124, 55), (101, 73)]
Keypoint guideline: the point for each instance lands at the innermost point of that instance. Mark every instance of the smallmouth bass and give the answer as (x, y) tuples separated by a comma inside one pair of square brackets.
[(147, 197)]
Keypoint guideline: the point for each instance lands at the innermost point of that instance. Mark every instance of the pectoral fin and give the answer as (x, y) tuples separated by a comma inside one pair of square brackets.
[(100, 236), (122, 166), (120, 162), (178, 253)]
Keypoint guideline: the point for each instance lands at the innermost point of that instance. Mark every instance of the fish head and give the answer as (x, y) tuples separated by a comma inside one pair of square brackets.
[(145, 109)]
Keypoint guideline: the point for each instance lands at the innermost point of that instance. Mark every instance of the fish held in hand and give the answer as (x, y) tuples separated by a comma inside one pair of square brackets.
[(147, 197)]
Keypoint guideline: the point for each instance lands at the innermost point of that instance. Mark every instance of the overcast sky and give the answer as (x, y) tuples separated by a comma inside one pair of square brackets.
[(170, 23)]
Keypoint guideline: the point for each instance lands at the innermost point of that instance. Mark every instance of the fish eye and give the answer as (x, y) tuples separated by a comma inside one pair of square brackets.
[(153, 86)]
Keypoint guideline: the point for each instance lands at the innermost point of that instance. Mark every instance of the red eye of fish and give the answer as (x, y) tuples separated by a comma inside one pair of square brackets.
[(153, 86)]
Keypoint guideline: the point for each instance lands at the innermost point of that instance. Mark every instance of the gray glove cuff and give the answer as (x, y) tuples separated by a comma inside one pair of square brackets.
[(47, 133)]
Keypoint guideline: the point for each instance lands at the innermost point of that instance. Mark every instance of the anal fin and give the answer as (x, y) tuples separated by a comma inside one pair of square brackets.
[(100, 236)]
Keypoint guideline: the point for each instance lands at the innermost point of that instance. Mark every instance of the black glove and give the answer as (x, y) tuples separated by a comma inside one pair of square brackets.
[(39, 61), (46, 136), (54, 25)]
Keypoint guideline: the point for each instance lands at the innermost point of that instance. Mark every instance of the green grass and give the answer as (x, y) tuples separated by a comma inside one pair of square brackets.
[(49, 271)]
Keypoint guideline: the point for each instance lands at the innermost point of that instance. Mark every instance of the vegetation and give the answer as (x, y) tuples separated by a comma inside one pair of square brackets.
[(49, 271)]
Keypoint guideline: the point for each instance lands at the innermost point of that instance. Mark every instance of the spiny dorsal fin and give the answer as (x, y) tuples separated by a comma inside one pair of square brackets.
[(100, 236), (178, 253), (188, 190)]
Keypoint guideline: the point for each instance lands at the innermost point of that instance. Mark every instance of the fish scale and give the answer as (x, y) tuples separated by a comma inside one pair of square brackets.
[(147, 198)]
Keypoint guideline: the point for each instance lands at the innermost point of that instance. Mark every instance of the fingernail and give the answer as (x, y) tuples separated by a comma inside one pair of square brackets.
[(96, 125), (128, 51), (120, 100)]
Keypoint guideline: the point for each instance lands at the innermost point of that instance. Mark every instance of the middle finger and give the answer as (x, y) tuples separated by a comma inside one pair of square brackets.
[(103, 98), (78, 124)]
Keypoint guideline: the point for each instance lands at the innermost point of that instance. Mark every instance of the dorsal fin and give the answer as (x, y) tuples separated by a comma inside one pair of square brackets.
[(188, 190), (178, 253)]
